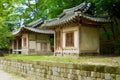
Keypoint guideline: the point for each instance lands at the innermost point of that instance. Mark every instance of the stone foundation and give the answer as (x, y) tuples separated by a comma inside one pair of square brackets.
[(75, 54), (44, 70)]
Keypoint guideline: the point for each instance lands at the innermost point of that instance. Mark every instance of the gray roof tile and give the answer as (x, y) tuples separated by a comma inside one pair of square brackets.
[(72, 14), (36, 30)]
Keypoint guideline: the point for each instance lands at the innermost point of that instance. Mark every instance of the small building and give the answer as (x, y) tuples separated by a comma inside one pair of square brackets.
[(31, 40), (76, 32)]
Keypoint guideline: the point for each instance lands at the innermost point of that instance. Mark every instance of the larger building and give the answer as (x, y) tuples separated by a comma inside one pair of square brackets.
[(76, 32)]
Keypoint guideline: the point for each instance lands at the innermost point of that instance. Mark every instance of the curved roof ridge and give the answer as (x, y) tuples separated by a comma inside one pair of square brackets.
[(83, 7), (96, 18), (36, 30), (35, 23)]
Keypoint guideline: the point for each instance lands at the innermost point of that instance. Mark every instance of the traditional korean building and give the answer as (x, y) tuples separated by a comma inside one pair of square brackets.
[(76, 32), (31, 40)]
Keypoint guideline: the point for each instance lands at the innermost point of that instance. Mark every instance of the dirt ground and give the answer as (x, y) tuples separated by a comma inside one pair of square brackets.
[(7, 76)]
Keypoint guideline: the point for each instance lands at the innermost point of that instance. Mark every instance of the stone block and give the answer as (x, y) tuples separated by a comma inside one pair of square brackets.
[(107, 76), (77, 72), (65, 75), (97, 75), (83, 73), (111, 69), (98, 79), (102, 76), (70, 71), (83, 78), (69, 76), (113, 76), (88, 73), (118, 71), (100, 68), (79, 77), (117, 77), (88, 78), (92, 74), (88, 67), (62, 70), (94, 78), (74, 77)]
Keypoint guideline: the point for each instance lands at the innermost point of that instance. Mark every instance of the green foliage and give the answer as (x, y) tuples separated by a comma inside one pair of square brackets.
[(31, 10), (52, 41), (5, 34), (117, 44), (104, 6), (52, 8)]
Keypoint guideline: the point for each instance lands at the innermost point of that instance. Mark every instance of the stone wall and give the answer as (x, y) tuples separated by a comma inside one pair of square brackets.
[(43, 70)]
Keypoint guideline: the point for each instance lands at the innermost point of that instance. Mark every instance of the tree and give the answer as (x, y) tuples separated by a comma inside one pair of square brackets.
[(5, 34), (112, 9)]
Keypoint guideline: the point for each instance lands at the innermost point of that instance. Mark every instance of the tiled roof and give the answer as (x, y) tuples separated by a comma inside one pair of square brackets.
[(95, 18), (36, 30), (35, 23), (75, 13)]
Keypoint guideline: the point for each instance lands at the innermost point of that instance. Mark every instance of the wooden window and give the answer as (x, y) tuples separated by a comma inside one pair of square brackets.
[(58, 40), (70, 39), (24, 41)]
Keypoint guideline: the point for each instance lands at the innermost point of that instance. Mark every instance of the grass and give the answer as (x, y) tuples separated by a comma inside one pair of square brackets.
[(102, 60)]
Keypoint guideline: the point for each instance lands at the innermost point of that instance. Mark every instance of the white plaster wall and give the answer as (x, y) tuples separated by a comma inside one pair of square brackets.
[(25, 48), (74, 28), (64, 38), (38, 47), (76, 41), (89, 39), (32, 44), (32, 36)]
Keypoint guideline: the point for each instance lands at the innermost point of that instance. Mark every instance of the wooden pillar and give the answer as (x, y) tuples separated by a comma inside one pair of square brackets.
[(79, 39), (48, 47), (61, 41), (17, 44), (12, 44), (54, 42)]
